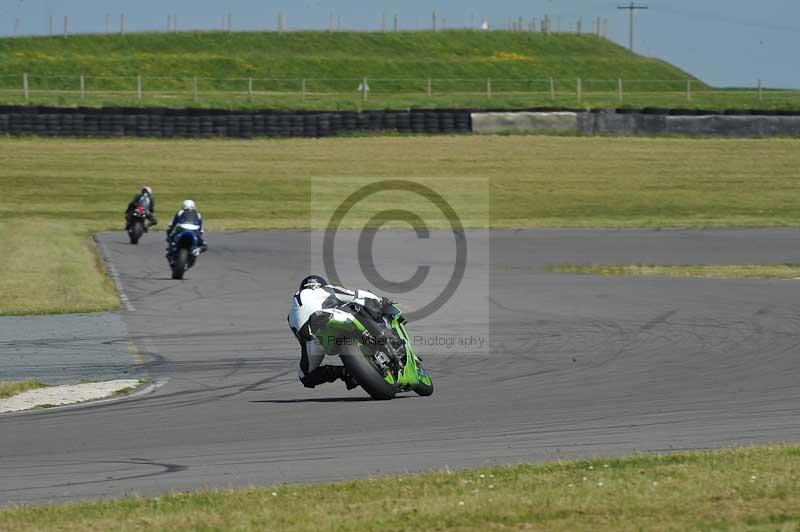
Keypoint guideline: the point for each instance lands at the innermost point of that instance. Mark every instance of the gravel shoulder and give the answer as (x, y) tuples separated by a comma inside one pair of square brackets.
[(65, 395)]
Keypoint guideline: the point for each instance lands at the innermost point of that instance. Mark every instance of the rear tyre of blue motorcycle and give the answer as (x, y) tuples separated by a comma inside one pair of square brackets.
[(367, 375), (179, 266)]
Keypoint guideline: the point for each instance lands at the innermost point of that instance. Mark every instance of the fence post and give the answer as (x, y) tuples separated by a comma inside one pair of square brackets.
[(66, 25), (619, 89), (552, 89), (383, 22), (396, 24), (83, 88), (25, 85), (760, 91), (433, 18), (580, 25), (688, 90), (303, 88), (250, 89), (138, 87), (579, 90), (108, 23), (330, 23), (122, 24), (488, 87), (52, 25), (429, 88), (281, 22), (194, 88)]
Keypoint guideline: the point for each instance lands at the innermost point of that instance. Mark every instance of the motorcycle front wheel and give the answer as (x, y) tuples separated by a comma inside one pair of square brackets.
[(425, 385), (181, 261), (366, 374)]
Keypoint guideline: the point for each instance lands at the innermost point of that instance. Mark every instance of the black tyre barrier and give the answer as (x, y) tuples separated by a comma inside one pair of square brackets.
[(144, 122)]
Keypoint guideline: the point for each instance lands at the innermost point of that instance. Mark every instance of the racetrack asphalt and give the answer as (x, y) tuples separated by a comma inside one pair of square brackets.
[(578, 366)]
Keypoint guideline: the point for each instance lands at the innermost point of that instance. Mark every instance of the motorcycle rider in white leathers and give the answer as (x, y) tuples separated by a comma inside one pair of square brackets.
[(315, 294)]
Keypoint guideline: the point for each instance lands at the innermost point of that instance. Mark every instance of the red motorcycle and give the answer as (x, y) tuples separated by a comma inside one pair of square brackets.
[(137, 224)]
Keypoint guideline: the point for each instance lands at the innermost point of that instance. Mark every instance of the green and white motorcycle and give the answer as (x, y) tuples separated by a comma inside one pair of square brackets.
[(374, 348)]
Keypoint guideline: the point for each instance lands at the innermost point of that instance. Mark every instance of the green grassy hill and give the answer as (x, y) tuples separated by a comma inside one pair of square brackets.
[(322, 70), (446, 54)]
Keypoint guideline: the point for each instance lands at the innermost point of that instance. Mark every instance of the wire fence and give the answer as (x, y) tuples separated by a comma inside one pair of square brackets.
[(77, 88), (434, 20)]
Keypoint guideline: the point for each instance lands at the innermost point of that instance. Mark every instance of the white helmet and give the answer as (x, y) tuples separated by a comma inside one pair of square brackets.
[(147, 189), (188, 205)]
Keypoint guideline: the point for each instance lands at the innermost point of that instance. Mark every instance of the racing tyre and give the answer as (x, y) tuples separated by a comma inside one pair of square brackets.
[(135, 232), (367, 375), (179, 267)]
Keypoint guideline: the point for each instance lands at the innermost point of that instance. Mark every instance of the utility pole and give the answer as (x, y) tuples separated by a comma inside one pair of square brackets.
[(632, 9)]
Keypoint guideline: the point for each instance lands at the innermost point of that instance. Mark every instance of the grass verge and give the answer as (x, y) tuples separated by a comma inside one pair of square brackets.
[(51, 266), (756, 487), (12, 388), (56, 192), (350, 101), (709, 271)]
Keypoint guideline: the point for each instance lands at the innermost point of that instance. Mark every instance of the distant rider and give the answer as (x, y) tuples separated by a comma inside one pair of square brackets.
[(315, 294), (188, 214), (143, 199)]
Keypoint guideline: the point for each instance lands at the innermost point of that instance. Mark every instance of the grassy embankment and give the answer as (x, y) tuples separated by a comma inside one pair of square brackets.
[(57, 192), (754, 488), (11, 388), (708, 271), (519, 64)]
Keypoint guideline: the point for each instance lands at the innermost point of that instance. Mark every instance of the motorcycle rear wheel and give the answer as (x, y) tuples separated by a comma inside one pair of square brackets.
[(367, 375), (135, 232)]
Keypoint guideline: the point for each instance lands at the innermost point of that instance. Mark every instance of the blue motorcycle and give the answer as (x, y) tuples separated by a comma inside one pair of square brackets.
[(184, 246)]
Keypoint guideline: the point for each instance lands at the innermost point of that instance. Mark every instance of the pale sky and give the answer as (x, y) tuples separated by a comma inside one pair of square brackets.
[(724, 42)]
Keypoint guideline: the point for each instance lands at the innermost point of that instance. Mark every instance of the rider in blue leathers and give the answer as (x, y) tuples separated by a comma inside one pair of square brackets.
[(188, 214)]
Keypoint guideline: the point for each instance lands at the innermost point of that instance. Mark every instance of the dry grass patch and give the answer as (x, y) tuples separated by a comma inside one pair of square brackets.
[(12, 388), (51, 267), (710, 271)]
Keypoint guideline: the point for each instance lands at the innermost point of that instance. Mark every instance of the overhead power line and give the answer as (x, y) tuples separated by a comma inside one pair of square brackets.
[(632, 9)]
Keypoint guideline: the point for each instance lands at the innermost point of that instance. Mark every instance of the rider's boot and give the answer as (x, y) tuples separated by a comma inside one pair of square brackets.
[(322, 375), (349, 381)]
